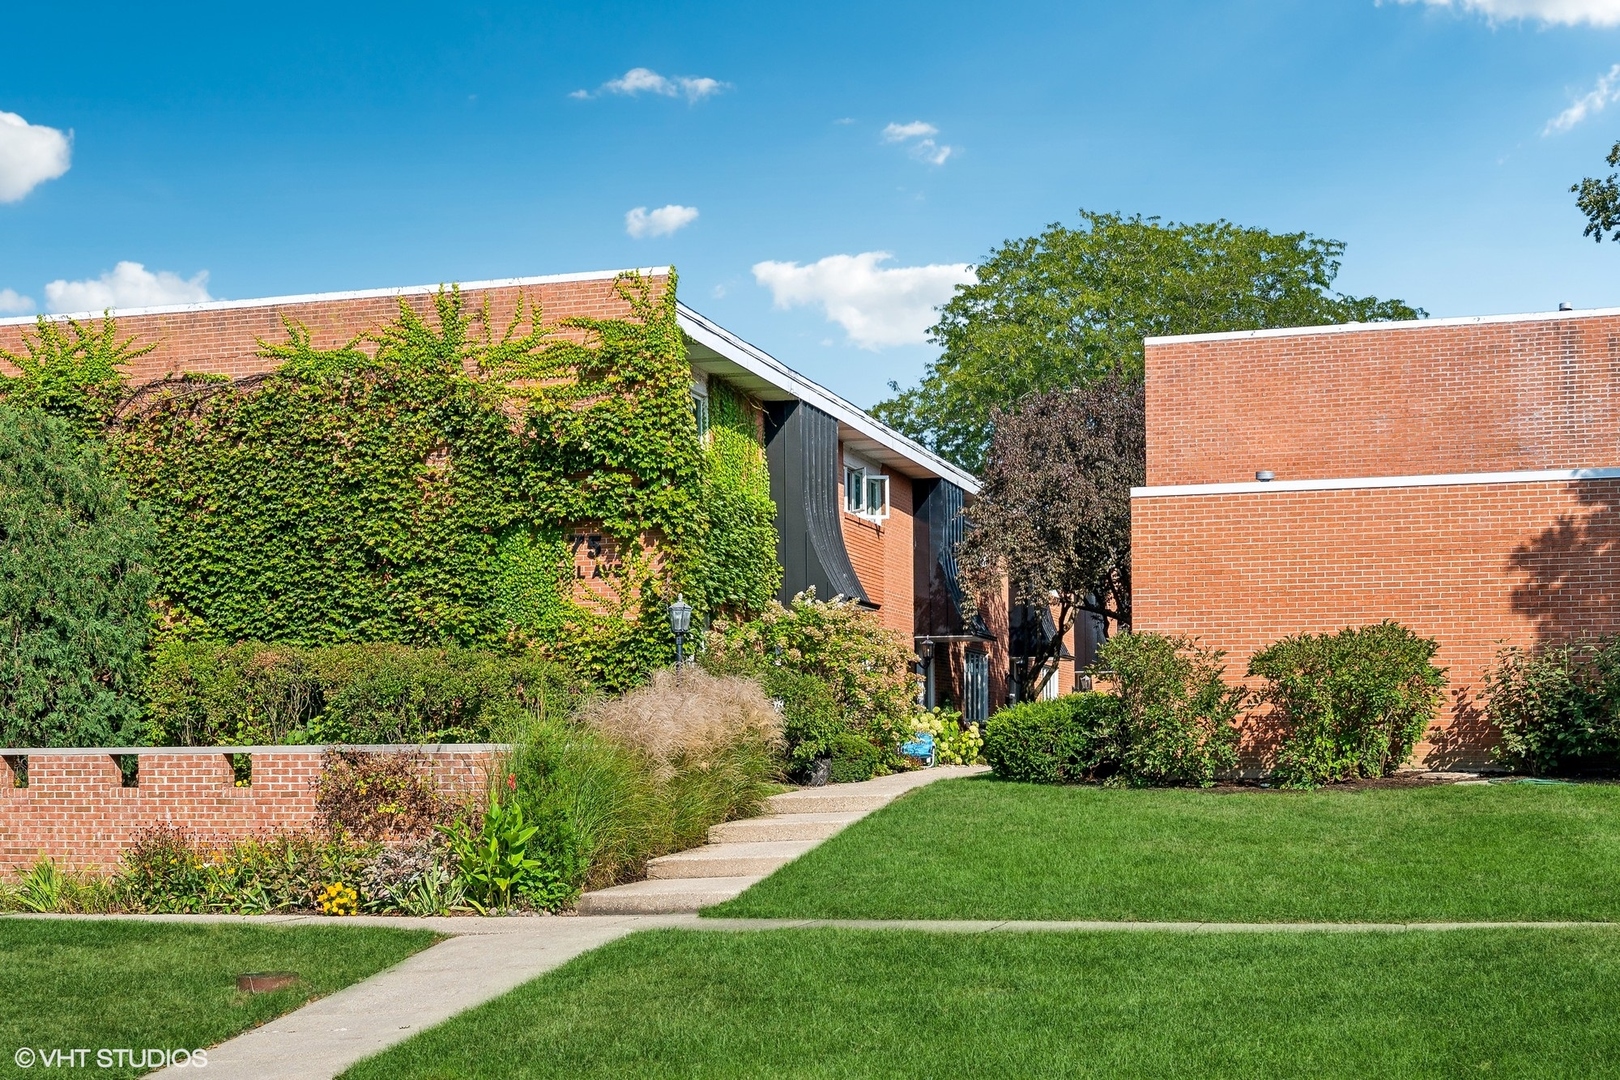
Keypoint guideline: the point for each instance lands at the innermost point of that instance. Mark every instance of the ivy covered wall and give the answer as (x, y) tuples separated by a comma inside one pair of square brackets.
[(430, 482)]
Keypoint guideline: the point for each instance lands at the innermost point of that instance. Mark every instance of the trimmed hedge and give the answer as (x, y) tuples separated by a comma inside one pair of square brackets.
[(204, 693)]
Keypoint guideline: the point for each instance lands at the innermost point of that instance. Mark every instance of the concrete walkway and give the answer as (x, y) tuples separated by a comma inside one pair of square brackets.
[(486, 957), (740, 853)]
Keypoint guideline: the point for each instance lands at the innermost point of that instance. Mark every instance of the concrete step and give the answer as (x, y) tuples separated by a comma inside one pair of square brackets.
[(781, 827), (831, 799), (663, 896), (728, 860)]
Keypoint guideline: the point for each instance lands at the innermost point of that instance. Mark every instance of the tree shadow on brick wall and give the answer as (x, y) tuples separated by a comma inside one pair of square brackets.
[(1568, 586), (1570, 573)]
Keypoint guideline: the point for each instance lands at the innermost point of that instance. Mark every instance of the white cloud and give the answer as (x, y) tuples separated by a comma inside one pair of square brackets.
[(902, 132), (647, 81), (13, 304), (1606, 91), (1556, 12), (641, 222), (127, 285), (919, 134), (30, 154), (876, 305)]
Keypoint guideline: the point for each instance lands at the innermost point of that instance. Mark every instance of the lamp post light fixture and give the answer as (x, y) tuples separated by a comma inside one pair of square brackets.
[(680, 622)]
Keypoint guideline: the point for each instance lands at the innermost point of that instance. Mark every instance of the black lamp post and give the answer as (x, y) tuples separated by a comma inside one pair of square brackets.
[(680, 621), (926, 651)]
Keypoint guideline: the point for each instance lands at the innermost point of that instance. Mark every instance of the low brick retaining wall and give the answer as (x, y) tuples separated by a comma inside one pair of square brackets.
[(76, 808)]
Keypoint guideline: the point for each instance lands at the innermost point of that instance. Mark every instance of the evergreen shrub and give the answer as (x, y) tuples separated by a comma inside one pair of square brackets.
[(75, 580)]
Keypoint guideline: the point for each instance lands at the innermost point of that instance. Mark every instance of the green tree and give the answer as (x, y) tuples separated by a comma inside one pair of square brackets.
[(75, 581), (1599, 200), (1060, 310)]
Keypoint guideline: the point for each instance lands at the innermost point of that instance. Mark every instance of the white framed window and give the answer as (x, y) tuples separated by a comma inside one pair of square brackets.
[(866, 489), (877, 497)]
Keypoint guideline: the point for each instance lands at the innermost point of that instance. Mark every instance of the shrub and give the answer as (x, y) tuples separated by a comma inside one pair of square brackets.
[(47, 889), (75, 578), (1558, 707), (205, 693), (855, 758), (955, 743), (1177, 713), (389, 796), (867, 668), (1061, 741), (811, 719), (1355, 702)]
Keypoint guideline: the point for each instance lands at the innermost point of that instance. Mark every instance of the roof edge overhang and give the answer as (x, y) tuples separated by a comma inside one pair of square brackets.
[(1381, 327), (924, 463), (357, 294)]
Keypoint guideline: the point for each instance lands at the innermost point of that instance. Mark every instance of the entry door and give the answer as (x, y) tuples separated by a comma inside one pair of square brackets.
[(976, 686)]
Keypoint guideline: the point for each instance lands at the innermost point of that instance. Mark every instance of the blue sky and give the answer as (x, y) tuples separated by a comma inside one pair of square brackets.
[(314, 148)]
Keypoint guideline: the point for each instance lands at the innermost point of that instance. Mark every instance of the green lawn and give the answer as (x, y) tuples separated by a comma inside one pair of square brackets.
[(987, 849), (116, 984), (846, 1003)]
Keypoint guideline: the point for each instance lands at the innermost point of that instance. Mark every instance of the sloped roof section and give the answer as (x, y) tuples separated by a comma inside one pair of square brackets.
[(717, 351)]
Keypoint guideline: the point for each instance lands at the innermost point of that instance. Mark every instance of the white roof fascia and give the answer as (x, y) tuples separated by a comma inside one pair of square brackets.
[(778, 374), (359, 294), (1270, 487), (1365, 327)]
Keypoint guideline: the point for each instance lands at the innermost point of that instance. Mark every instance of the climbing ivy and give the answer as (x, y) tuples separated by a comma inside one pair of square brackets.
[(431, 483), (744, 575)]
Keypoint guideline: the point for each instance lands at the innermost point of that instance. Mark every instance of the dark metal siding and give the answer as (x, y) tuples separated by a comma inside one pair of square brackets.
[(801, 448), (938, 527)]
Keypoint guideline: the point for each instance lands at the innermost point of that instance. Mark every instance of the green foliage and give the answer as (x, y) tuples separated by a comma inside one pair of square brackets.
[(167, 872), (498, 865), (1355, 702), (811, 718), (1060, 310), (855, 758), (742, 576), (955, 743), (1558, 707), (1176, 711), (1599, 200), (71, 370), (1064, 740), (75, 578), (626, 797), (46, 889), (200, 693), (866, 667), (420, 484)]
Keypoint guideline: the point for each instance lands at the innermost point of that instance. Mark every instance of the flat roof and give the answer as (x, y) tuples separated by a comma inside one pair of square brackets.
[(1365, 327), (356, 294)]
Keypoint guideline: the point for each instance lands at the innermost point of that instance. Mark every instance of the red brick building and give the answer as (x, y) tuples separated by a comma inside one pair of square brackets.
[(1461, 476), (862, 511)]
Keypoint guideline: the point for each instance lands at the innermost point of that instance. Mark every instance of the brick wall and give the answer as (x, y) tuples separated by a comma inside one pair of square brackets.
[(76, 810), (1408, 399), (1475, 566), (224, 340), (883, 554)]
